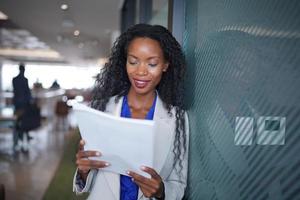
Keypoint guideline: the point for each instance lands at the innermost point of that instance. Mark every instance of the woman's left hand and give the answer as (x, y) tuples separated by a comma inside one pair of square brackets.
[(151, 187)]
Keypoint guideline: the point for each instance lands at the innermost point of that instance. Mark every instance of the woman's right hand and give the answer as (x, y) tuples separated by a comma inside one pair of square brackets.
[(84, 164)]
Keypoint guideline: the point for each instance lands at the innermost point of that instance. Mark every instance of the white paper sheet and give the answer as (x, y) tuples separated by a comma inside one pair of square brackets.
[(127, 144)]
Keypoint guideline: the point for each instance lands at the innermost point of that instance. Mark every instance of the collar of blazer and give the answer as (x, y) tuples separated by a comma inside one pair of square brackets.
[(164, 120), (160, 111)]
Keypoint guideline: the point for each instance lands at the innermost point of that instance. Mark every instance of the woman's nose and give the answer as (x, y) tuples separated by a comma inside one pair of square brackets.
[(142, 70)]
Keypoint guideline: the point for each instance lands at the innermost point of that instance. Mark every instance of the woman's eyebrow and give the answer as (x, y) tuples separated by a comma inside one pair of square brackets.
[(153, 57), (132, 55), (149, 58)]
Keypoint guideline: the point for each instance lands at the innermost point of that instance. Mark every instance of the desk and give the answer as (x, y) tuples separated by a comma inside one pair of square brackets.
[(47, 100)]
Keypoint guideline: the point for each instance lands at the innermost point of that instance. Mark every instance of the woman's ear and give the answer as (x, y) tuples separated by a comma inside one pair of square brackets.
[(166, 67)]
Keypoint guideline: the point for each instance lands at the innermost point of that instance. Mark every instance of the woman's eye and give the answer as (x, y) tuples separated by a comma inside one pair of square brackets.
[(152, 64), (132, 63)]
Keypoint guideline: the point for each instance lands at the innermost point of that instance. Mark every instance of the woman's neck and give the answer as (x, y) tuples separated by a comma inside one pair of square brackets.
[(140, 101)]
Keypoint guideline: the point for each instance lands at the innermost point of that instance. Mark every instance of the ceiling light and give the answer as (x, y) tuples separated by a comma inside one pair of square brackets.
[(76, 32), (3, 16), (64, 6)]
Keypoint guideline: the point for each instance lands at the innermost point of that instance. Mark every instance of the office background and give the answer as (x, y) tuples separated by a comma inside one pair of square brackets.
[(242, 94)]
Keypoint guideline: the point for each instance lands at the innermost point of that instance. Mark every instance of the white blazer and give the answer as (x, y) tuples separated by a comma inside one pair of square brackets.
[(106, 185)]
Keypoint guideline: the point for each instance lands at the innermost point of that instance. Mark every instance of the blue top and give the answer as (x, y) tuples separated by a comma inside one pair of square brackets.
[(129, 190)]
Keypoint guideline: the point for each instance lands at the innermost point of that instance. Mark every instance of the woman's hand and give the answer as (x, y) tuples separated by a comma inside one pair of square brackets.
[(151, 187), (84, 164)]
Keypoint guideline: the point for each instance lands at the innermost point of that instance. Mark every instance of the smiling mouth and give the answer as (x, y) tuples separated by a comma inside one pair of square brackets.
[(140, 83)]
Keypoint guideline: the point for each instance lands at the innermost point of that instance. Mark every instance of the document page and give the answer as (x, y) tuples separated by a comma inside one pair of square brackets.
[(127, 144)]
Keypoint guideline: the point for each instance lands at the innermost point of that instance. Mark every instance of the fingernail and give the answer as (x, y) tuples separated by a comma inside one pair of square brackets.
[(107, 164), (132, 179), (98, 153), (128, 172), (143, 167)]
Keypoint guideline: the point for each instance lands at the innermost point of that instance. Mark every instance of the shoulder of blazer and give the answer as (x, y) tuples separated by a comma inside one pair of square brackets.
[(113, 106)]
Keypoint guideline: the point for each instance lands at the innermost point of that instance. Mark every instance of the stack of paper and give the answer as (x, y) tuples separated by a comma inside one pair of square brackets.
[(127, 144)]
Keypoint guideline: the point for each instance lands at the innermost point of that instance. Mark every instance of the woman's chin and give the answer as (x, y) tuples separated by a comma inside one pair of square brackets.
[(143, 90)]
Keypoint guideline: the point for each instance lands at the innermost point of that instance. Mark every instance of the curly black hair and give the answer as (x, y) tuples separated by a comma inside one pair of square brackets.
[(113, 79)]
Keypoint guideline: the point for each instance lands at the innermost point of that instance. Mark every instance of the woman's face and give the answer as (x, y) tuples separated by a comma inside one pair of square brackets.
[(145, 64)]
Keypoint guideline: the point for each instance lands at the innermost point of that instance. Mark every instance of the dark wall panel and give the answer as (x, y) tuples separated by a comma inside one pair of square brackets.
[(243, 94)]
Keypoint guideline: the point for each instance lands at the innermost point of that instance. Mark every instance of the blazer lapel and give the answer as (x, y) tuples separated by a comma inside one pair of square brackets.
[(117, 111), (164, 129), (164, 134)]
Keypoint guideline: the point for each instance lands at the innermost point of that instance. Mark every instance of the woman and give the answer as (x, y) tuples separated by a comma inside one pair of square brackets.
[(143, 79)]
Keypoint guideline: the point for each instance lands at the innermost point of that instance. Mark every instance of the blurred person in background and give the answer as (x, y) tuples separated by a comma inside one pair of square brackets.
[(21, 100), (37, 85), (55, 85)]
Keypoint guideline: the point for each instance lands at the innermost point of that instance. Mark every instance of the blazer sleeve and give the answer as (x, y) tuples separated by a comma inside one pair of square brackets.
[(88, 184), (175, 184)]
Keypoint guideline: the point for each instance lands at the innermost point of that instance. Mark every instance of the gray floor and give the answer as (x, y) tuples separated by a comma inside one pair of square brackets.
[(26, 176)]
